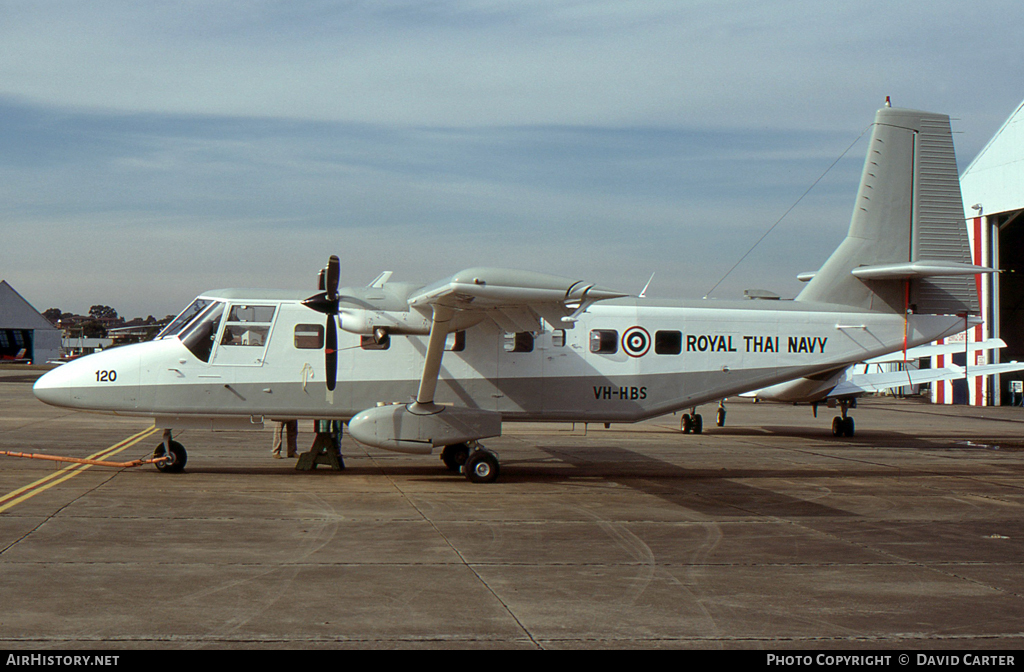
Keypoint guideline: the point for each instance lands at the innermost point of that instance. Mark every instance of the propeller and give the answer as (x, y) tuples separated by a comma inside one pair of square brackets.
[(327, 302)]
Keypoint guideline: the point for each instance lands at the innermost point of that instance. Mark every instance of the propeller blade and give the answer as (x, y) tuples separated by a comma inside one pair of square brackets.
[(327, 302), (331, 353), (333, 275)]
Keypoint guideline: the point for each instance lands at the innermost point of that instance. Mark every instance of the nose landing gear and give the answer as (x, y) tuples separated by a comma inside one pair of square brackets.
[(174, 450)]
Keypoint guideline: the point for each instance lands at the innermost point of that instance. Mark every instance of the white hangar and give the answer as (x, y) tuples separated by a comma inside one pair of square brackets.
[(993, 194)]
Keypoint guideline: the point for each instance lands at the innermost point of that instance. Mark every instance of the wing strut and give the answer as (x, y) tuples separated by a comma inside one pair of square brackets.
[(435, 351)]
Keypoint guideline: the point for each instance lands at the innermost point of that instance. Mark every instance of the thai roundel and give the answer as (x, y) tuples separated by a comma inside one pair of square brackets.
[(636, 341)]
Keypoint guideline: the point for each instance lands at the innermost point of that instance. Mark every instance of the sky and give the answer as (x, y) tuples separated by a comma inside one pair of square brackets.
[(152, 151)]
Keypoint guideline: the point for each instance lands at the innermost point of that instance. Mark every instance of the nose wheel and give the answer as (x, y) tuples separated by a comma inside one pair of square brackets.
[(176, 452)]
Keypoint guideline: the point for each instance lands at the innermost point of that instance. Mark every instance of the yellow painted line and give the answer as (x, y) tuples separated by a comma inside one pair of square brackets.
[(18, 496)]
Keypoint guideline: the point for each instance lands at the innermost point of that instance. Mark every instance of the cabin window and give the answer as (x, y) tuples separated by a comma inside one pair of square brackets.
[(604, 341), (248, 326), (249, 335), (668, 342), (456, 342), (241, 313), (309, 336), (521, 341)]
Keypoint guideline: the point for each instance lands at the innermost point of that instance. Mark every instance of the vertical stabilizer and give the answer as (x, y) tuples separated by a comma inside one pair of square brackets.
[(907, 226)]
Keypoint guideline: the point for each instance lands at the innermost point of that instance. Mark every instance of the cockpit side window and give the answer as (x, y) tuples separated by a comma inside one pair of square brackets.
[(202, 331), (248, 326)]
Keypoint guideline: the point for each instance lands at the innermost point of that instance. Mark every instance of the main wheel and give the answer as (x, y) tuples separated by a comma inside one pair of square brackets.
[(178, 458), (848, 426), (686, 425), (720, 418), (481, 467), (698, 424), (837, 426), (454, 456)]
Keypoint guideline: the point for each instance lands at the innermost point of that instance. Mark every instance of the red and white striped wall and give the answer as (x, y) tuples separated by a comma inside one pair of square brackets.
[(977, 392)]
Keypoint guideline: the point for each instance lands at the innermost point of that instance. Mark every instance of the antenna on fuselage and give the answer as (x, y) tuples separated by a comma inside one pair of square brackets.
[(643, 292)]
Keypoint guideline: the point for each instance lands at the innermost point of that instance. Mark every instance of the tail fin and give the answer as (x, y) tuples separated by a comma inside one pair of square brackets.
[(907, 226)]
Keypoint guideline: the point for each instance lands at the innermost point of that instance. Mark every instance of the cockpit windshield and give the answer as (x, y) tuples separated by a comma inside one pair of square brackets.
[(184, 318)]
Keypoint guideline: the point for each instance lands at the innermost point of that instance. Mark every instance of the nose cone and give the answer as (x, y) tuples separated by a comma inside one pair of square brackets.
[(54, 388), (106, 382)]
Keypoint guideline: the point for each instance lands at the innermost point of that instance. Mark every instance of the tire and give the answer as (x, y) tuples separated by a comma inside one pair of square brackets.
[(698, 424), (686, 426), (848, 426), (175, 466), (481, 467), (837, 426), (454, 456), (720, 417)]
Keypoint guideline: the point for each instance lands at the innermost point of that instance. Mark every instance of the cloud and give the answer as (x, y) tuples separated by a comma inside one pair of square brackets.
[(195, 202), (167, 148), (473, 63)]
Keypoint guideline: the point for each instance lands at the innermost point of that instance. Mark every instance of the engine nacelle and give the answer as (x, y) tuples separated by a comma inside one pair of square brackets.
[(362, 321), (417, 428)]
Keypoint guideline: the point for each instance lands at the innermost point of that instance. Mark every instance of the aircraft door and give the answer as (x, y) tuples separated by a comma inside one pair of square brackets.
[(243, 338), (521, 370)]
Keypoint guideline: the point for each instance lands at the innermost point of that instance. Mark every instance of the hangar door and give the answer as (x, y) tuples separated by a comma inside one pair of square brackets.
[(15, 343)]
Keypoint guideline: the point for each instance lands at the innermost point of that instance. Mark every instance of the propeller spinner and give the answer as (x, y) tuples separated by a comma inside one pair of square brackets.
[(327, 302)]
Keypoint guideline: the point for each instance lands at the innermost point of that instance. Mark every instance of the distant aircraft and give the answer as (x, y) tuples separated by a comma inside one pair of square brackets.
[(19, 357), (842, 387), (443, 365)]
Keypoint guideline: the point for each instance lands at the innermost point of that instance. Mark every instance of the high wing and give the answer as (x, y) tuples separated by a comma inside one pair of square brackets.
[(513, 300)]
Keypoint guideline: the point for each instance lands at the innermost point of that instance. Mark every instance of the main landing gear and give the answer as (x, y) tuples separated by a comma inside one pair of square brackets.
[(176, 452), (692, 423), (842, 425), (478, 464)]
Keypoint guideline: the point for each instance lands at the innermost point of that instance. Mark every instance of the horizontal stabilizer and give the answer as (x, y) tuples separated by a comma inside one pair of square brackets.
[(923, 268), (877, 382), (935, 350)]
